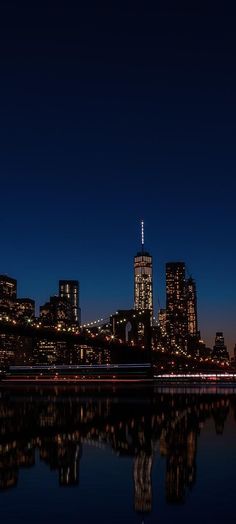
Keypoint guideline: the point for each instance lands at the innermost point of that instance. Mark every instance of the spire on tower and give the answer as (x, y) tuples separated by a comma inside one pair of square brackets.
[(142, 234)]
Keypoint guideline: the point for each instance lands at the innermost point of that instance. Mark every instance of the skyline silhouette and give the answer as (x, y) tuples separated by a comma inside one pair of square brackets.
[(108, 116)]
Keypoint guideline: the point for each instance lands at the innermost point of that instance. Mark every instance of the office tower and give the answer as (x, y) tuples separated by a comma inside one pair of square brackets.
[(233, 359), (58, 311), (219, 351), (143, 285), (8, 288), (45, 352), (25, 309), (176, 310), (70, 289), (191, 296)]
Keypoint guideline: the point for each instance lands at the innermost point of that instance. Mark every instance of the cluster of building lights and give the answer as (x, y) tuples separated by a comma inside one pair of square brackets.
[(181, 315), (178, 351)]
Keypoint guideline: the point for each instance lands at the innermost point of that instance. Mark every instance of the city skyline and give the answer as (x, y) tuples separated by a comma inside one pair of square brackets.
[(108, 117), (117, 266), (144, 299)]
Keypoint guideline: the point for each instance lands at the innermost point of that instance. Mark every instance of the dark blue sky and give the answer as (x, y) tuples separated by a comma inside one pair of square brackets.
[(108, 116)]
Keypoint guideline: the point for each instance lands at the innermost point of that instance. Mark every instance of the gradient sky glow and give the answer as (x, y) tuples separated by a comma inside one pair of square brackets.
[(109, 116)]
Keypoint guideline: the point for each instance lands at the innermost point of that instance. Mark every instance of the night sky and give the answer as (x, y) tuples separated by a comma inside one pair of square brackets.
[(108, 116)]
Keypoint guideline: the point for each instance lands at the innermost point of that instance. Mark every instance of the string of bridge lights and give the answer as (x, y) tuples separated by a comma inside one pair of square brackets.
[(94, 323), (178, 349), (105, 320)]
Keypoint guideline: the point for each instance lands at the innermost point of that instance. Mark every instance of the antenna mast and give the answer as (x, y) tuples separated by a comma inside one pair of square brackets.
[(142, 235)]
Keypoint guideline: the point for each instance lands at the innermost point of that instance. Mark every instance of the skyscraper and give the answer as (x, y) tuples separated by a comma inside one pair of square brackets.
[(8, 293), (25, 309), (70, 289), (57, 311), (191, 296), (176, 308), (220, 351), (143, 283), (8, 287)]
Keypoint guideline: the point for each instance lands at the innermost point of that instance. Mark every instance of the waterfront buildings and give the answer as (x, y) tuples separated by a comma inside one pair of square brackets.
[(177, 326)]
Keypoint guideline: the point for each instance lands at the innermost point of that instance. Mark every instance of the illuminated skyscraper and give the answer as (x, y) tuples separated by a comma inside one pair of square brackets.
[(25, 309), (8, 287), (220, 351), (191, 296), (8, 293), (143, 285), (57, 311), (176, 307), (70, 289)]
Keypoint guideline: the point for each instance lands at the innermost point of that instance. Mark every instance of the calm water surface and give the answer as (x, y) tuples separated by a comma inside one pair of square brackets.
[(71, 456)]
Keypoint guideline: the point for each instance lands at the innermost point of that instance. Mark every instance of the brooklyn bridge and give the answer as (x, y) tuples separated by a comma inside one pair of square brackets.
[(32, 343)]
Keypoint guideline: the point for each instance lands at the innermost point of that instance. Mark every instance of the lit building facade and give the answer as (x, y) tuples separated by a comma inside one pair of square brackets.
[(57, 311), (143, 287), (69, 289), (162, 320), (220, 351), (191, 296), (143, 280), (45, 352), (233, 359), (8, 287), (8, 293), (25, 309), (19, 309), (176, 310)]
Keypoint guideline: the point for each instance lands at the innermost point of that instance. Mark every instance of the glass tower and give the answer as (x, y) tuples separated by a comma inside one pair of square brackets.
[(192, 307), (8, 287), (176, 307), (143, 282), (220, 350), (70, 289)]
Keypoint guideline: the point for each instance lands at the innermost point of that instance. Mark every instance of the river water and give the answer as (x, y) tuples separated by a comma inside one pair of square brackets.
[(140, 455)]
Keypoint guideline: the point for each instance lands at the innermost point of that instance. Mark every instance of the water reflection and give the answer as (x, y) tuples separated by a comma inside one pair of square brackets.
[(57, 424)]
